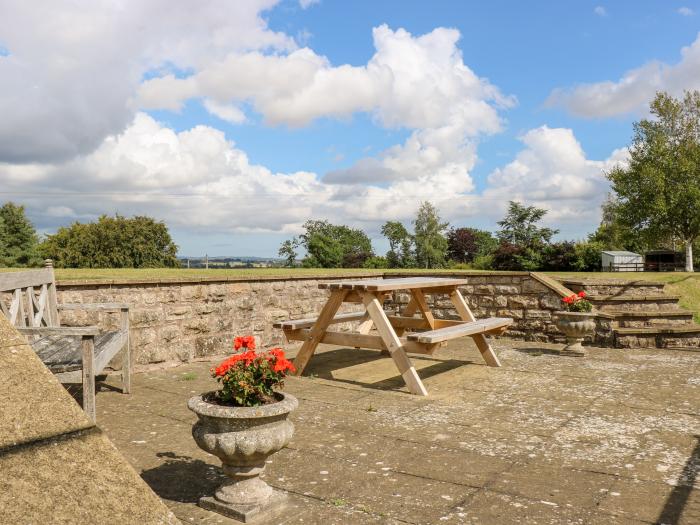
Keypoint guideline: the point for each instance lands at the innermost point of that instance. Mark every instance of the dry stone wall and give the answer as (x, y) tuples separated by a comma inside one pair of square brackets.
[(179, 321)]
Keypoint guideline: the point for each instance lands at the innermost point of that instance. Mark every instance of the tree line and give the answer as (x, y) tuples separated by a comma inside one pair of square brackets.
[(109, 242)]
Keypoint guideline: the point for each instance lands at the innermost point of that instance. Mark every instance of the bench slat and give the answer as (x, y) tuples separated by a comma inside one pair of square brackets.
[(452, 332), (308, 323)]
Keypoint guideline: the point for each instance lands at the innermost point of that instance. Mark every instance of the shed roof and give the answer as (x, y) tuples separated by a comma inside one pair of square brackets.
[(632, 254)]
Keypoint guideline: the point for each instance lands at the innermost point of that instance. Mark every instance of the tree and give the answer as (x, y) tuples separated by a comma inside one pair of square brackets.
[(520, 229), (520, 226), (288, 252), (112, 242), (334, 246), (612, 234), (400, 254), (431, 244), (18, 238), (658, 191), (465, 244)]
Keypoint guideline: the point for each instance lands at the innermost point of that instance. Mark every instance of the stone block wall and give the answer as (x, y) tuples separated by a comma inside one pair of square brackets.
[(179, 321)]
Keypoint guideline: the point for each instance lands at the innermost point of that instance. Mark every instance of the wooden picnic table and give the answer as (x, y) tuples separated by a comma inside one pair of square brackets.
[(372, 293)]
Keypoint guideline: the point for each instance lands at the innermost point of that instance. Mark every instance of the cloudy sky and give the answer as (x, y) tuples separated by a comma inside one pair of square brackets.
[(235, 121)]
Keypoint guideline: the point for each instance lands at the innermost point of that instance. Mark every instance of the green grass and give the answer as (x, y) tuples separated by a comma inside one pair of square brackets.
[(133, 274)]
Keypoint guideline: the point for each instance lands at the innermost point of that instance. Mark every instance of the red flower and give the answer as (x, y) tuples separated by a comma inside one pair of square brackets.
[(282, 365), (246, 341), (582, 294), (567, 300)]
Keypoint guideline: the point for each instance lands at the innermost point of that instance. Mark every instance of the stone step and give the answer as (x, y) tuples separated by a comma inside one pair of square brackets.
[(648, 303), (614, 287), (658, 337), (650, 319)]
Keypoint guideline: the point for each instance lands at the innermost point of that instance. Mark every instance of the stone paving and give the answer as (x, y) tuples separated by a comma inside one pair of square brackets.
[(610, 438)]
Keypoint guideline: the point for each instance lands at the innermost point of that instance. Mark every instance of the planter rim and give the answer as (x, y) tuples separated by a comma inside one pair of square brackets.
[(576, 314), (199, 406)]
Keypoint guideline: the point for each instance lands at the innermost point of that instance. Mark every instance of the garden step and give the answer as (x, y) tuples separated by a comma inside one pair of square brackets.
[(615, 287), (658, 337), (648, 319), (656, 303)]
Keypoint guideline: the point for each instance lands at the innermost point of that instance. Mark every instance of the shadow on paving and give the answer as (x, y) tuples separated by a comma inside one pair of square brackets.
[(534, 351), (678, 499), (323, 364), (182, 478)]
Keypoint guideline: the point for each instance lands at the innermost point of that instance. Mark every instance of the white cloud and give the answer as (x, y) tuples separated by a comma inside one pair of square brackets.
[(305, 4), (553, 172), (600, 11), (227, 112), (196, 180), (634, 91), (72, 69), (685, 11)]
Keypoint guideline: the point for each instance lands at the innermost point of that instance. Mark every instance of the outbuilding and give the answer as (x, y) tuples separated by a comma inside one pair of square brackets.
[(614, 261)]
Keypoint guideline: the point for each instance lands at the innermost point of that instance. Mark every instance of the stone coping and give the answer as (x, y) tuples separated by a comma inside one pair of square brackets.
[(612, 282), (68, 283)]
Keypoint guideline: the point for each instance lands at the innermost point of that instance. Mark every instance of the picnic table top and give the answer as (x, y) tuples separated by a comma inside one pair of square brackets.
[(399, 283)]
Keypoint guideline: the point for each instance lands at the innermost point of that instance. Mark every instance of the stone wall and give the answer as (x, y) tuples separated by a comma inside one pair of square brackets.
[(179, 321)]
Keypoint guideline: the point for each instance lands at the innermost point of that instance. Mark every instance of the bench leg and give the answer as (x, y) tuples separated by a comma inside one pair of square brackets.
[(393, 343), (318, 330), (479, 339), (126, 360), (88, 350)]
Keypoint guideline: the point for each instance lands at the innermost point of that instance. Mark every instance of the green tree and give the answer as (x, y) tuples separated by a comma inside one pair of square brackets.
[(431, 244), (334, 246), (18, 238), (658, 192), (400, 254), (288, 252), (523, 240), (613, 234), (465, 244), (112, 242)]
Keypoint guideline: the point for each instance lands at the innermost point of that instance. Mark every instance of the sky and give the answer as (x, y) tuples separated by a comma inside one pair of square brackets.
[(234, 122)]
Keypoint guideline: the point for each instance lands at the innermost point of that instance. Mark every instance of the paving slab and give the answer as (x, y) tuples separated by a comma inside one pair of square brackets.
[(543, 439)]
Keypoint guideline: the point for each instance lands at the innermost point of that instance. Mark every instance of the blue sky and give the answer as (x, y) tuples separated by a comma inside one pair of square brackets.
[(223, 122)]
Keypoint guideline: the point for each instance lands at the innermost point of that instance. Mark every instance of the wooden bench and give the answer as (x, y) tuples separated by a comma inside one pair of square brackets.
[(492, 325), (308, 323), (73, 354)]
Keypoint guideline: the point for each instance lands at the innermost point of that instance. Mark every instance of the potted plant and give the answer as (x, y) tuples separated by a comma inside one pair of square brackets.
[(243, 423), (575, 322)]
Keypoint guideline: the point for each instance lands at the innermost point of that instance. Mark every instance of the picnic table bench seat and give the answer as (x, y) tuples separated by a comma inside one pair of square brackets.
[(308, 323), (75, 354), (482, 326)]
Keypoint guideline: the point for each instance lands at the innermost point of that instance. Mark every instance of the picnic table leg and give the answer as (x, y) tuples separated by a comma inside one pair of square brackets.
[(423, 307), (480, 339), (393, 344), (319, 329), (410, 309)]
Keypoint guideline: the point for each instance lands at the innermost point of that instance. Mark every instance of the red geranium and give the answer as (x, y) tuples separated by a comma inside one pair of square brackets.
[(249, 378), (577, 302)]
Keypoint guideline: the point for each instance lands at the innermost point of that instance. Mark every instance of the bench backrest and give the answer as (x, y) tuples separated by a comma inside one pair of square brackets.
[(29, 298)]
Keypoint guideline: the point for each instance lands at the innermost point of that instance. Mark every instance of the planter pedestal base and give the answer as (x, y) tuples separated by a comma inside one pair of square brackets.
[(573, 348), (246, 513)]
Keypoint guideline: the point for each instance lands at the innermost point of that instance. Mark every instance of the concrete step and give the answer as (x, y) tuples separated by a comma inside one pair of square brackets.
[(627, 303), (658, 337), (615, 287), (650, 319)]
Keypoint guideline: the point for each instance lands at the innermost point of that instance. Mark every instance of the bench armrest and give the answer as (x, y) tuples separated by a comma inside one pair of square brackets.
[(108, 307), (85, 331)]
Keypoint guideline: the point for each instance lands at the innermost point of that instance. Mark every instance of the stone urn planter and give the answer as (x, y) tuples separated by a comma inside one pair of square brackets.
[(243, 438), (576, 326)]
